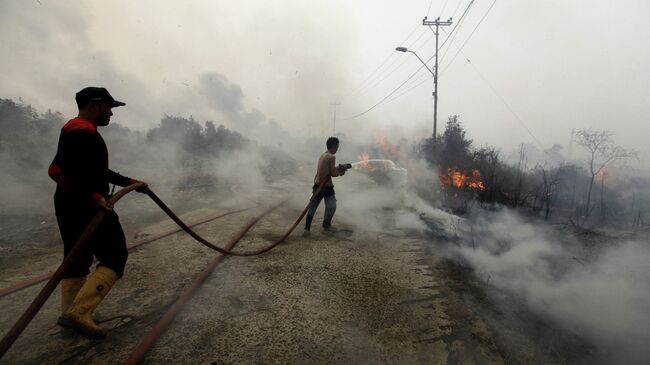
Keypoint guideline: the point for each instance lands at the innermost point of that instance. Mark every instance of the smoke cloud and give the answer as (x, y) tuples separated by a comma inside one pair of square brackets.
[(600, 292)]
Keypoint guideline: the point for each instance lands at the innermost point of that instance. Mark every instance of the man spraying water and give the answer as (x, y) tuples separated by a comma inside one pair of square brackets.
[(325, 171)]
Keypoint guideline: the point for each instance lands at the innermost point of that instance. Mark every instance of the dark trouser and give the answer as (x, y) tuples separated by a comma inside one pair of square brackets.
[(328, 194), (107, 244)]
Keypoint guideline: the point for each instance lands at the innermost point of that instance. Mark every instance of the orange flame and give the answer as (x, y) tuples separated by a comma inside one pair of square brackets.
[(458, 180), (365, 165), (387, 148)]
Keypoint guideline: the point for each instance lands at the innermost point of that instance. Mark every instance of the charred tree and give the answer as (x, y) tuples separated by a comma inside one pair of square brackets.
[(601, 153)]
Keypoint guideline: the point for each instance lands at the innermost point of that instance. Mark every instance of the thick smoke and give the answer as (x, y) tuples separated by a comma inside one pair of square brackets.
[(600, 293), (228, 99), (178, 154)]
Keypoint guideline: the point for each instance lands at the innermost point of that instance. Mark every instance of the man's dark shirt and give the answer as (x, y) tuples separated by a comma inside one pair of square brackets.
[(80, 167)]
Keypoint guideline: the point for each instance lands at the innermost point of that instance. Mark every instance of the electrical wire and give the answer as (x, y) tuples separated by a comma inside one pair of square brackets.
[(444, 7), (366, 86), (505, 103), (420, 81), (470, 36), (454, 32), (457, 7), (380, 102), (502, 99), (413, 87), (404, 60), (385, 97), (363, 83), (416, 83)]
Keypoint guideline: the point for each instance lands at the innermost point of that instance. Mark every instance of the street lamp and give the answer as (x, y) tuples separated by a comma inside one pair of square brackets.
[(404, 49), (435, 88)]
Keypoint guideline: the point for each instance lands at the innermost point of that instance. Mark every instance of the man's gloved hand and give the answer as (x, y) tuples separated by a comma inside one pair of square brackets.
[(142, 189)]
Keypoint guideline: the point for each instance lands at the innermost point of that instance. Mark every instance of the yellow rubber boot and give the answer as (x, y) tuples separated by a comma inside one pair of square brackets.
[(87, 300), (69, 289)]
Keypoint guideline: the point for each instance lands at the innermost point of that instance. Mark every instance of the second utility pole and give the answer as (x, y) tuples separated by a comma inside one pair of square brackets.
[(437, 23), (334, 119)]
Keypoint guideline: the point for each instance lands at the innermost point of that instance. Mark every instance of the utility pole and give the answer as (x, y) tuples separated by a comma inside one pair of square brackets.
[(573, 132), (334, 119), (437, 23)]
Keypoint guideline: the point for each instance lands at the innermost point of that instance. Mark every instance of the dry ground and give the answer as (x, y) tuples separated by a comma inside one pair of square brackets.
[(372, 295)]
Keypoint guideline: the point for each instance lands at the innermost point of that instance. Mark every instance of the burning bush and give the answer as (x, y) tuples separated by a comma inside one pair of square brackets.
[(458, 180)]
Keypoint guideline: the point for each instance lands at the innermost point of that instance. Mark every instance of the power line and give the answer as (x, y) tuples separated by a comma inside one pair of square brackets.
[(470, 36), (437, 24), (457, 7), (458, 25), (502, 99), (362, 84), (420, 82), (387, 96), (386, 99), (428, 77), (422, 77), (416, 71), (454, 28), (363, 89), (334, 118), (415, 86), (404, 60), (443, 7), (379, 78), (505, 103)]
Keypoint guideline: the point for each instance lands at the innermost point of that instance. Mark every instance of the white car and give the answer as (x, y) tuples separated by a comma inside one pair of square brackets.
[(382, 171)]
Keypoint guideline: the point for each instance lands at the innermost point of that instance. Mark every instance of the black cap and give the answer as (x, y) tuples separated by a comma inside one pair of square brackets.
[(100, 94)]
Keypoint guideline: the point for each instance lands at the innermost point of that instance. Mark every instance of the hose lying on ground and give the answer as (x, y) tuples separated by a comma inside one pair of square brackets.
[(53, 282), (226, 251), (141, 350), (26, 283), (151, 337), (48, 289)]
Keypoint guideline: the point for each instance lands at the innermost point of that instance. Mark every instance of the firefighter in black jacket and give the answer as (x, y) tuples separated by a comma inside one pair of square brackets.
[(80, 169)]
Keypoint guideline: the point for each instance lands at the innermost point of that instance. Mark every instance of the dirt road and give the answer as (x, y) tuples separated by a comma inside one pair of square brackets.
[(371, 293)]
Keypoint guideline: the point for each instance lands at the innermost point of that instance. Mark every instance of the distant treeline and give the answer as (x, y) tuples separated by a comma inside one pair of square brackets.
[(29, 138), (28, 135)]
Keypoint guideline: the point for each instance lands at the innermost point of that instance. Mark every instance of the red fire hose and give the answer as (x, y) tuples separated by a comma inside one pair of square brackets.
[(42, 277), (140, 351), (48, 289), (53, 282), (227, 251), (159, 328)]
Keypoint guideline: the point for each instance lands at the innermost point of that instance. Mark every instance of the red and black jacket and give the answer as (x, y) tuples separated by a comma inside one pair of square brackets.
[(80, 167)]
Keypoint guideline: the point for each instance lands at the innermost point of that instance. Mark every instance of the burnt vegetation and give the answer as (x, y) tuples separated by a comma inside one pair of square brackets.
[(599, 187), (547, 227)]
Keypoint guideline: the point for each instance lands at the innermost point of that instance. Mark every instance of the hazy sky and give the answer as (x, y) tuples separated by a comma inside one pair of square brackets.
[(558, 64)]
